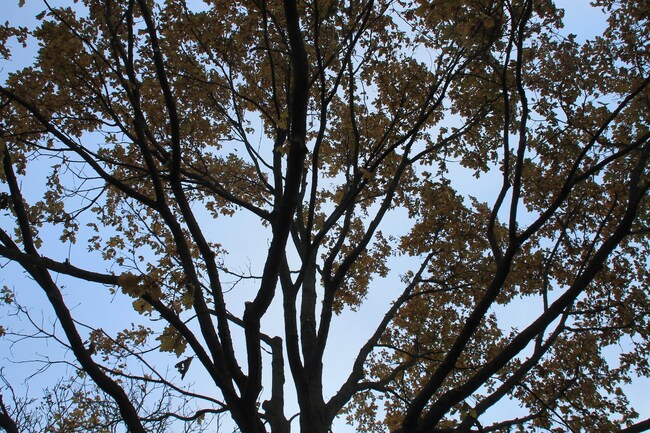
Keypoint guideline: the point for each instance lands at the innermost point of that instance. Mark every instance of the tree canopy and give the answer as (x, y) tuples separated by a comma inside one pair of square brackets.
[(350, 139)]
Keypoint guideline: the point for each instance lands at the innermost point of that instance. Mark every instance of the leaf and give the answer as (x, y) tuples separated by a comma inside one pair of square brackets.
[(282, 122), (130, 284), (366, 174), (7, 295), (172, 341), (183, 366), (142, 306)]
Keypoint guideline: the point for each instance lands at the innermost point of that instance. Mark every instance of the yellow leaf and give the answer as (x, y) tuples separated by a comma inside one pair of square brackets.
[(188, 298), (130, 284), (172, 341), (152, 288), (142, 306), (366, 174), (489, 23), (282, 123)]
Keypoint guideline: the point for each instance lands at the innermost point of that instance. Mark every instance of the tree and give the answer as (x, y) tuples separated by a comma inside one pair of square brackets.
[(149, 123)]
